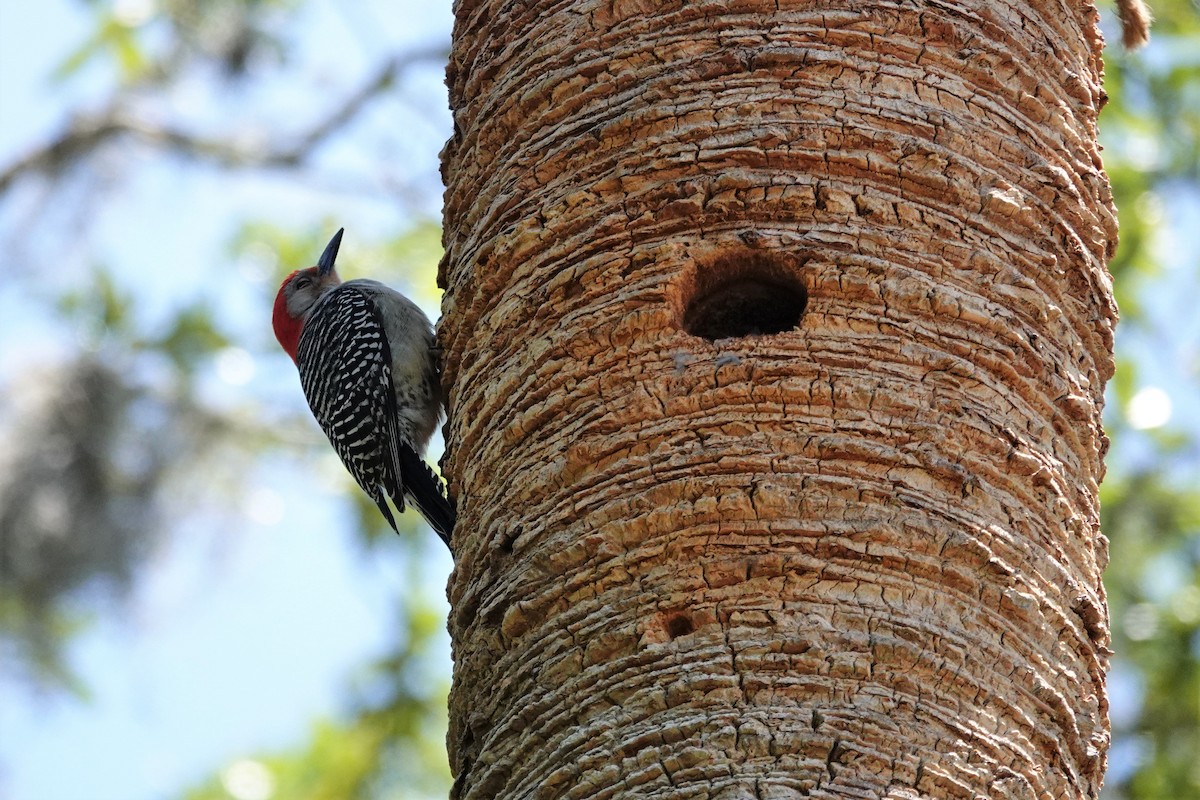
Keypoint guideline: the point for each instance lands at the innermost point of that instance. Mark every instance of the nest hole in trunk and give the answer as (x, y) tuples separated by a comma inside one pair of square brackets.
[(743, 294)]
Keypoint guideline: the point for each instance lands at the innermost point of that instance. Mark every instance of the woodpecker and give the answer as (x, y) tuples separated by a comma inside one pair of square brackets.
[(368, 367)]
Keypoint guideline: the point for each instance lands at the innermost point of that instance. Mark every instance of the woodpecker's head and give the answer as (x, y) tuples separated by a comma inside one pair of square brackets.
[(299, 292)]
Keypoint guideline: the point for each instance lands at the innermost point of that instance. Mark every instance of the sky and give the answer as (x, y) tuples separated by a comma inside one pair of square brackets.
[(248, 624)]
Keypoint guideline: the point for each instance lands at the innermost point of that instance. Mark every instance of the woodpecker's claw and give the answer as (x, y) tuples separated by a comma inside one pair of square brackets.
[(325, 265)]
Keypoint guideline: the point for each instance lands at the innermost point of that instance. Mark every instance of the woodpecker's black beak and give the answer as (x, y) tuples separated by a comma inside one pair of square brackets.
[(325, 265)]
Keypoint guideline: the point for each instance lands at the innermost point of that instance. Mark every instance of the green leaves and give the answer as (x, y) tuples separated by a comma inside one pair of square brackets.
[(115, 39)]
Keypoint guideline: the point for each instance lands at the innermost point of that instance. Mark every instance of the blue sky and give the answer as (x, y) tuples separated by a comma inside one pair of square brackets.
[(249, 621)]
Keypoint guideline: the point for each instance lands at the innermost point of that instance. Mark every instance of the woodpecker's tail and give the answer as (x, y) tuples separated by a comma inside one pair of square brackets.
[(381, 500), (423, 489)]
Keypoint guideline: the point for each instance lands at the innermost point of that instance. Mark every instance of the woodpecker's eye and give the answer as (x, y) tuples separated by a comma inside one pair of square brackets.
[(302, 282)]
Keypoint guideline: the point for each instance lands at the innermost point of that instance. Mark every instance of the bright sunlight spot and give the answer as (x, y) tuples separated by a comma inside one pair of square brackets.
[(235, 366), (133, 12), (1186, 605), (1151, 207), (248, 780), (265, 507), (1141, 622), (1149, 408)]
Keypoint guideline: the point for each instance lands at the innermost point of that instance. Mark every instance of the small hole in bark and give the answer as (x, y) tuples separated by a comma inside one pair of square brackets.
[(679, 625), (493, 616), (573, 289), (746, 293), (509, 540)]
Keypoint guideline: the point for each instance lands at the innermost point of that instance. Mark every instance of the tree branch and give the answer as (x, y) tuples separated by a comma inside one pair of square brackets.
[(87, 133)]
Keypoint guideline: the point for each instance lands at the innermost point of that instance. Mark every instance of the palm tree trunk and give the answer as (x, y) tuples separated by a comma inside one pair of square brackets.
[(776, 337)]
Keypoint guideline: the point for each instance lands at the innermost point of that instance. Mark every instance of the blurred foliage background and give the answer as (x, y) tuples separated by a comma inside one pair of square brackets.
[(142, 392)]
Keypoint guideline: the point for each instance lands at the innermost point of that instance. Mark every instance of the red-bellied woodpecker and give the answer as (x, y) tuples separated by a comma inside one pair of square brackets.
[(368, 366)]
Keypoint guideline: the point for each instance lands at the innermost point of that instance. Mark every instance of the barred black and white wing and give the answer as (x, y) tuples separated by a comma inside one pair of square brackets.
[(346, 372)]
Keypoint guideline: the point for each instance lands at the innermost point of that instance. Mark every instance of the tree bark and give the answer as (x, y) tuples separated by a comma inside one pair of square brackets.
[(705, 549)]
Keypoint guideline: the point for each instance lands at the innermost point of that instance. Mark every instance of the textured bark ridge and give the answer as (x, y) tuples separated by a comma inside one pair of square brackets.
[(856, 558)]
